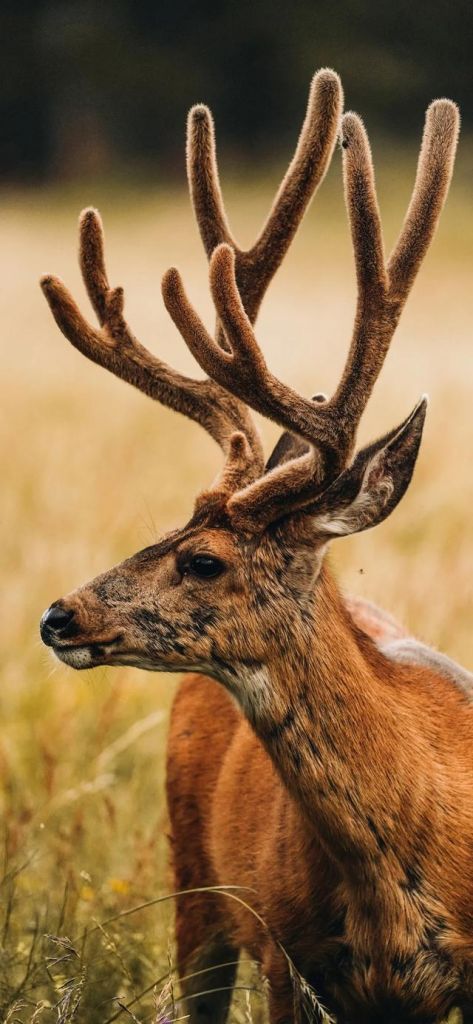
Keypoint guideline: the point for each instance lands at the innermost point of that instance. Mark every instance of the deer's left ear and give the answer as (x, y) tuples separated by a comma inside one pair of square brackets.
[(368, 491)]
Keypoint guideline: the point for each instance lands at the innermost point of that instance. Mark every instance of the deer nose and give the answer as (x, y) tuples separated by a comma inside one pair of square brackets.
[(57, 623)]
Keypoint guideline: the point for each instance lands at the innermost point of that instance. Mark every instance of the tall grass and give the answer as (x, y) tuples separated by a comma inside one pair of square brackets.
[(92, 471)]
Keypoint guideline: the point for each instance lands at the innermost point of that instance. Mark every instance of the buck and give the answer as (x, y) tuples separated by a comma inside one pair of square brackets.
[(329, 781)]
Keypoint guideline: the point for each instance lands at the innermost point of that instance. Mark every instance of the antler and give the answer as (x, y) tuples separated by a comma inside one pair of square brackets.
[(256, 267), (330, 427), (115, 347)]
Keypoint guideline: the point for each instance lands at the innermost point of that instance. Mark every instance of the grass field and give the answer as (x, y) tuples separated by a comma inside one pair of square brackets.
[(92, 471)]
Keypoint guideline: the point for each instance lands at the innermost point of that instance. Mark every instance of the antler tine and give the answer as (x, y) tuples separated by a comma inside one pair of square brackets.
[(383, 290), (256, 266), (305, 173), (116, 348), (203, 178), (374, 325), (434, 173), (329, 427), (92, 261), (243, 371)]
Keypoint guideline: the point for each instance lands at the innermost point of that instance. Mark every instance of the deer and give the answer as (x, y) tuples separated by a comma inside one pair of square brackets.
[(323, 777)]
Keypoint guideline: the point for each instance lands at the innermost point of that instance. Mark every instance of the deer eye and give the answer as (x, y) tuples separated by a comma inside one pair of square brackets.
[(206, 566)]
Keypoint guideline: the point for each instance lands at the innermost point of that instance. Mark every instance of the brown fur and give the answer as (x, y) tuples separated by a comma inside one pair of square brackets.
[(339, 802), (339, 794), (254, 834), (396, 944)]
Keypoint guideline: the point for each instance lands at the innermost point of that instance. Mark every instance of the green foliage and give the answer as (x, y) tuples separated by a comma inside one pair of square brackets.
[(84, 83)]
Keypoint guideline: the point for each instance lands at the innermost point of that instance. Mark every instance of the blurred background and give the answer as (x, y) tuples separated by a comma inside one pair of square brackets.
[(89, 88), (93, 102)]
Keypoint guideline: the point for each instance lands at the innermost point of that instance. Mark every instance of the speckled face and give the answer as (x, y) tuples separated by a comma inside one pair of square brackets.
[(202, 599)]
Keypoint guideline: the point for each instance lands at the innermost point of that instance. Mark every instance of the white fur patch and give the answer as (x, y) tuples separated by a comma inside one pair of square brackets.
[(336, 526), (82, 657), (412, 652), (75, 657), (355, 516), (251, 688)]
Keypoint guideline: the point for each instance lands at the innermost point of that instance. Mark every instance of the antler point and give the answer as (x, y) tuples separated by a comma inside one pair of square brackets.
[(223, 255), (48, 283), (352, 120), (353, 134), (225, 247), (239, 445), (199, 112), (325, 100), (327, 77), (171, 275), (89, 214), (199, 121), (443, 114), (171, 285), (443, 103)]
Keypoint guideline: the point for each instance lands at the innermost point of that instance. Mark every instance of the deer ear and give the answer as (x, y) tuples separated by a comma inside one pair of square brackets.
[(368, 491), (290, 446)]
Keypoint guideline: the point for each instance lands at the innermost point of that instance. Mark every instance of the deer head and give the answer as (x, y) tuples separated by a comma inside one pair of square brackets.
[(229, 592)]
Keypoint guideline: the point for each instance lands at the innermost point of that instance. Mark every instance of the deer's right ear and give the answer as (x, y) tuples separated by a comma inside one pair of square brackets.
[(290, 446), (367, 491)]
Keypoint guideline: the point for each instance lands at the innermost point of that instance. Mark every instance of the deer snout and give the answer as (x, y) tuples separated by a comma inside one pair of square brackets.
[(79, 632), (57, 623)]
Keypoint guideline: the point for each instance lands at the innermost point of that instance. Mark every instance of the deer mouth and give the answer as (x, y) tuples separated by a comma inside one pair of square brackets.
[(87, 655)]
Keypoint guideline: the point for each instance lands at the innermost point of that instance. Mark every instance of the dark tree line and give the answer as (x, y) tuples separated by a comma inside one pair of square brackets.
[(87, 85)]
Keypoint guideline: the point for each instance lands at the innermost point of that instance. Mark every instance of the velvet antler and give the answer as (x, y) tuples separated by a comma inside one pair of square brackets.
[(329, 428), (255, 267), (115, 347)]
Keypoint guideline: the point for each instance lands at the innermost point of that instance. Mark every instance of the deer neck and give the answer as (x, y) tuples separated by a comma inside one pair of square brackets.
[(328, 715)]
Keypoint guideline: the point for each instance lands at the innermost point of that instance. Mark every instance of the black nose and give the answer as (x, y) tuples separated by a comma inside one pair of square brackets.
[(57, 623)]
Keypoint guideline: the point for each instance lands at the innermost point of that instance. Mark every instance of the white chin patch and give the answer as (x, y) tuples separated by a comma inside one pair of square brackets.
[(76, 657)]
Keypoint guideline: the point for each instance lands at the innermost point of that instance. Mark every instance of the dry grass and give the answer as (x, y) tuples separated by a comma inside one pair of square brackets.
[(92, 471)]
